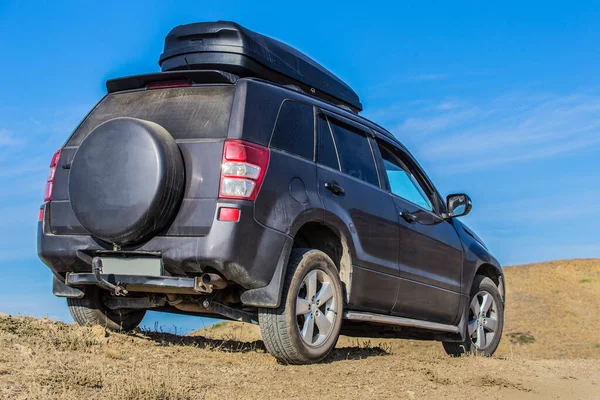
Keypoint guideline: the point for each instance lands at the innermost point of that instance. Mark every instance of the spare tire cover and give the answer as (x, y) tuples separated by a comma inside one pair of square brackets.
[(126, 180)]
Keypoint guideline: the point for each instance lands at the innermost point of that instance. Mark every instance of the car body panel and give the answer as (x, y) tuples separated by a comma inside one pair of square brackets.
[(430, 265), (288, 191), (370, 216), (417, 270)]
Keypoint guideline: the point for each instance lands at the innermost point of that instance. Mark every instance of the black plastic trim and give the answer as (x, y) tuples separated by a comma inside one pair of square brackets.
[(270, 295), (59, 289), (193, 76)]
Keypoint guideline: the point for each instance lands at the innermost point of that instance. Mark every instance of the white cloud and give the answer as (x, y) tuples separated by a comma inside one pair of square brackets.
[(448, 105), (18, 215), (7, 140), (391, 85), (545, 209), (511, 128), (427, 77), (421, 126), (23, 254), (26, 165)]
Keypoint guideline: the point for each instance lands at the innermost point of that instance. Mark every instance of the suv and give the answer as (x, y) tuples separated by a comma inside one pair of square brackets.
[(221, 187)]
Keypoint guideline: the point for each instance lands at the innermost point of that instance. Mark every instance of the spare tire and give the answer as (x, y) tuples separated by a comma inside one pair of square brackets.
[(126, 180)]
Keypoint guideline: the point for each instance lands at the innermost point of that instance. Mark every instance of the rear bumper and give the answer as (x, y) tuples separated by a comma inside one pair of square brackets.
[(244, 252), (136, 283)]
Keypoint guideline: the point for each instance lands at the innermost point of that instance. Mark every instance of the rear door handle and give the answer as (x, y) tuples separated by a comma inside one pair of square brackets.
[(408, 217), (334, 188)]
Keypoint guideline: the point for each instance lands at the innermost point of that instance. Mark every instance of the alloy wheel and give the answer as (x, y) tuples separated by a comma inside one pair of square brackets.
[(483, 320), (316, 308)]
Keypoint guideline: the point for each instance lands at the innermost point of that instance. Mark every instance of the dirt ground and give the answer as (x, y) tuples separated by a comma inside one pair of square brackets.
[(550, 350)]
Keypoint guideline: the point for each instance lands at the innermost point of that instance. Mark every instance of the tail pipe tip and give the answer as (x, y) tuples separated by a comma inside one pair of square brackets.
[(207, 282)]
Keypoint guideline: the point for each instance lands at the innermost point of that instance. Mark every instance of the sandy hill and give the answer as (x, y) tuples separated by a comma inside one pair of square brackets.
[(551, 349)]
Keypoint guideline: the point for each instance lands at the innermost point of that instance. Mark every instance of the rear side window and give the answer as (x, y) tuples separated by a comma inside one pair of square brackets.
[(326, 153), (295, 129), (199, 112), (354, 151)]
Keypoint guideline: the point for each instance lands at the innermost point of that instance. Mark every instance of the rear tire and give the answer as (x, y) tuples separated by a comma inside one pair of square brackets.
[(485, 322), (90, 310), (306, 326)]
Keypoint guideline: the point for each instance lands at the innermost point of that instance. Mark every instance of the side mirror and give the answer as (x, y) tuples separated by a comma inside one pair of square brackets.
[(458, 205)]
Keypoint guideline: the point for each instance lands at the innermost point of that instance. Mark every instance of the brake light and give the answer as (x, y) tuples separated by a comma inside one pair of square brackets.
[(243, 169), (41, 215), (50, 180), (166, 85)]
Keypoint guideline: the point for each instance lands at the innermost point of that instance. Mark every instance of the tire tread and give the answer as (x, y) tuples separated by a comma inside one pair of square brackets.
[(90, 311), (456, 349), (275, 331)]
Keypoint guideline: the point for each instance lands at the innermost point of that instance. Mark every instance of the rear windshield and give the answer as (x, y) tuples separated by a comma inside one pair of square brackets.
[(200, 112)]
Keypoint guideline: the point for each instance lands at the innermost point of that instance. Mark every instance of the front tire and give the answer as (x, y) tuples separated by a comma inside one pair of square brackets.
[(90, 310), (306, 326), (485, 322)]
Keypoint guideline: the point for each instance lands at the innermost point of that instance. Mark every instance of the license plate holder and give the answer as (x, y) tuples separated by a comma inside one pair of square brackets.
[(141, 266)]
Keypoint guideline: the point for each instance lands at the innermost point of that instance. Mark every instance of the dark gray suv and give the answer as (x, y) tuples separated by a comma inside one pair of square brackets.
[(241, 182)]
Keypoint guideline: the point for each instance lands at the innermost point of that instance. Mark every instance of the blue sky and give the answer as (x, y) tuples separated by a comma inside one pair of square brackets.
[(501, 102)]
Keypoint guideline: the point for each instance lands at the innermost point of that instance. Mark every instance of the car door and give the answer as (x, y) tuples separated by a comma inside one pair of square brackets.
[(350, 191), (430, 258)]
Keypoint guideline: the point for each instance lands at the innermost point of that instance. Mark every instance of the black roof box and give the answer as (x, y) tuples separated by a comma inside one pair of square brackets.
[(230, 47)]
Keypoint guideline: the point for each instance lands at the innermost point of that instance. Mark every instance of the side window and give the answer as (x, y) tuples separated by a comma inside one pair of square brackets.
[(402, 182), (295, 129), (354, 152), (326, 152)]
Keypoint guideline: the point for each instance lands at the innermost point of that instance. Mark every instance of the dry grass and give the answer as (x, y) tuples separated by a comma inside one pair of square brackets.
[(552, 312), (557, 304), (559, 358)]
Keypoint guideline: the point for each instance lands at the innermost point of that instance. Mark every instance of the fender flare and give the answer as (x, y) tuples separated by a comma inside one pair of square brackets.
[(492, 266)]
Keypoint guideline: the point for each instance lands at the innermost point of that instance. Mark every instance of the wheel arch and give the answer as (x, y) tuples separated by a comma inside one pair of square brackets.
[(495, 273), (327, 238)]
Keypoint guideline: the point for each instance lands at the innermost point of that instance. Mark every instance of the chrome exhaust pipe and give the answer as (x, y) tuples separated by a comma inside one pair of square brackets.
[(213, 281)]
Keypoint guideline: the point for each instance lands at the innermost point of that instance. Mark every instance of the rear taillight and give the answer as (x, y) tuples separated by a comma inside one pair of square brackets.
[(243, 169), (50, 181)]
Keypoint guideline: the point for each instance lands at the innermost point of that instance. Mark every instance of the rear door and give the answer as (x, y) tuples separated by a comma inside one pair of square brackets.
[(430, 251), (197, 117), (350, 190)]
